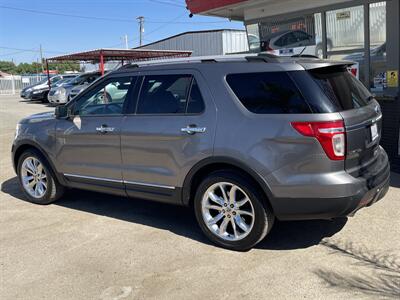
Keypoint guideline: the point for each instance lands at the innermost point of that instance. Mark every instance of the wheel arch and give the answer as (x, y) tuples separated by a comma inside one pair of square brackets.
[(26, 145), (208, 165)]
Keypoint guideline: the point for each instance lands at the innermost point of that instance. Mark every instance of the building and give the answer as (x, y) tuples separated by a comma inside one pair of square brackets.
[(203, 43), (365, 31)]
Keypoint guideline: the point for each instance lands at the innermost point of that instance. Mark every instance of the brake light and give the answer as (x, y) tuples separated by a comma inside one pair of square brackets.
[(331, 135)]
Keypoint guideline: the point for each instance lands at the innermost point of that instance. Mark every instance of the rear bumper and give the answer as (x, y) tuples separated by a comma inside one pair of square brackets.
[(370, 188)]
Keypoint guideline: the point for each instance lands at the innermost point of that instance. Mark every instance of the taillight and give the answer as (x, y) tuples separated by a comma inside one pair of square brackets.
[(331, 135)]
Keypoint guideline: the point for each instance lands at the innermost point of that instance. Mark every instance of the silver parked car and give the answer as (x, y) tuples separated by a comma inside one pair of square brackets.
[(242, 140), (61, 95)]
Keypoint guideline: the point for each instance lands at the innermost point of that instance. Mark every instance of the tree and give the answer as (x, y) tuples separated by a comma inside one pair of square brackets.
[(7, 67), (33, 68)]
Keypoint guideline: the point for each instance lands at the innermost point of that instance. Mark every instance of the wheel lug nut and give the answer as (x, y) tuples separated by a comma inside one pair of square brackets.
[(234, 213), (232, 205), (225, 204), (229, 216)]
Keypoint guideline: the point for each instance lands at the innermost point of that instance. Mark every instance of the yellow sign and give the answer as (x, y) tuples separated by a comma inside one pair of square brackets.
[(392, 78)]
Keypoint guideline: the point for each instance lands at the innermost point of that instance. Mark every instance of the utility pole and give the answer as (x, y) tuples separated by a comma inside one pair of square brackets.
[(141, 29), (41, 57), (126, 41)]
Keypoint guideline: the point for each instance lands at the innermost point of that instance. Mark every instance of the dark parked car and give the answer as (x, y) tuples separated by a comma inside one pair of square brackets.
[(40, 90), (241, 140)]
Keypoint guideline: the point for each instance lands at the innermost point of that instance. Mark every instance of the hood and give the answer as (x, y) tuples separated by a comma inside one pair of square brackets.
[(80, 88), (38, 117)]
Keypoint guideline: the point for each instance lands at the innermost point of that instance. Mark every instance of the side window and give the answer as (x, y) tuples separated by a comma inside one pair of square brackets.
[(107, 98), (164, 94), (268, 93), (196, 103), (301, 35)]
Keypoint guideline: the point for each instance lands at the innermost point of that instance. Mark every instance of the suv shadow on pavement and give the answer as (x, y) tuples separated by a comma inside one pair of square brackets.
[(180, 220)]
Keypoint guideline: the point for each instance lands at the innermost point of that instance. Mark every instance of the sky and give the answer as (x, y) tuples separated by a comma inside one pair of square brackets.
[(65, 26)]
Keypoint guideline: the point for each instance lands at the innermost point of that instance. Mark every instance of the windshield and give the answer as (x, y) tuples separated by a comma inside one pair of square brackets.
[(84, 78), (342, 89)]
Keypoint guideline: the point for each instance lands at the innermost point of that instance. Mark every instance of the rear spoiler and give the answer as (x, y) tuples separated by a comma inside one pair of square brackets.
[(308, 62), (320, 64)]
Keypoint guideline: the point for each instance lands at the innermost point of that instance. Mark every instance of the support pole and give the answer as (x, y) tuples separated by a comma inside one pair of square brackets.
[(101, 63), (48, 73)]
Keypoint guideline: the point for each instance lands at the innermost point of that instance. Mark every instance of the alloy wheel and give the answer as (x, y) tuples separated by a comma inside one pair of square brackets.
[(227, 211), (34, 177)]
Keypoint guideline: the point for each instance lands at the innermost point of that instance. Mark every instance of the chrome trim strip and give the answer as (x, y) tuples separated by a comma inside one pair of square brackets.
[(94, 178), (121, 181), (150, 184)]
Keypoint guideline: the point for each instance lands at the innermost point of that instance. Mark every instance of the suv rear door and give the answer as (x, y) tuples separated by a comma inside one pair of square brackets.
[(170, 128)]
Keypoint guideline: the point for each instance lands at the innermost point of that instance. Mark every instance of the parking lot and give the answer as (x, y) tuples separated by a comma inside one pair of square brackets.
[(94, 246)]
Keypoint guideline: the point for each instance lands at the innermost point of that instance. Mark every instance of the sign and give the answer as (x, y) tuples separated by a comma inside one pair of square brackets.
[(343, 15), (392, 78), (25, 80)]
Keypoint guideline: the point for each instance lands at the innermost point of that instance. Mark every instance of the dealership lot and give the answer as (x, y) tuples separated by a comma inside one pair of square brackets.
[(94, 246)]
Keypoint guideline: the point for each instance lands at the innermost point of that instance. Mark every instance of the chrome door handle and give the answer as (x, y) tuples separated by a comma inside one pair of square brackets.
[(193, 130), (104, 129)]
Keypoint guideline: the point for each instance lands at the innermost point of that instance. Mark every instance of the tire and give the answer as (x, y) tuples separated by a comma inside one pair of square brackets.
[(257, 225), (44, 99), (45, 194)]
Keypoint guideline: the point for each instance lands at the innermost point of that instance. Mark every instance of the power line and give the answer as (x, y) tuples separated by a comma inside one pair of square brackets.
[(105, 18), (167, 3)]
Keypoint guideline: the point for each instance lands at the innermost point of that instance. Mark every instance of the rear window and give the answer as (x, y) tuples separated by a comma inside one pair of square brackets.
[(268, 93), (342, 89)]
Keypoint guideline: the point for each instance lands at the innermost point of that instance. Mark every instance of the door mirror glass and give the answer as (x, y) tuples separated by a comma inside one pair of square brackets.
[(61, 112)]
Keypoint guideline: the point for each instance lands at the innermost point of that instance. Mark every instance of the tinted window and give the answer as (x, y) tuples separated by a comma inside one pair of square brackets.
[(107, 98), (342, 89), (301, 35), (164, 94), (196, 104), (268, 93)]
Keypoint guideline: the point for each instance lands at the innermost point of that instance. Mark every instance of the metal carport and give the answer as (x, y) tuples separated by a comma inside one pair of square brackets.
[(103, 55)]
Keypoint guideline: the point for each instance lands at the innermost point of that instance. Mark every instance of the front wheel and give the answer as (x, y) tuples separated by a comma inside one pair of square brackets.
[(37, 179), (230, 211)]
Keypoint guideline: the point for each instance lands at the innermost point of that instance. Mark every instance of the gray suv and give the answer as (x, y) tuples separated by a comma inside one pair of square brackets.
[(242, 139)]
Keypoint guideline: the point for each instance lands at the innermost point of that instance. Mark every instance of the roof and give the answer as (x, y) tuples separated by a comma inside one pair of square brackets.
[(201, 6), (120, 54), (246, 10), (188, 32)]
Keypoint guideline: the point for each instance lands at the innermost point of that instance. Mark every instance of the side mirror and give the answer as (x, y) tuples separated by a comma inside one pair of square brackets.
[(63, 111)]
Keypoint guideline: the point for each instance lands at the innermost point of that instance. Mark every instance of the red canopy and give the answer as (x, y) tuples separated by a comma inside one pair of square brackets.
[(201, 6)]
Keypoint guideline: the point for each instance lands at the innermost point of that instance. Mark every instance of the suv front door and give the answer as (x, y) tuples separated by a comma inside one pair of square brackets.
[(170, 128), (88, 141)]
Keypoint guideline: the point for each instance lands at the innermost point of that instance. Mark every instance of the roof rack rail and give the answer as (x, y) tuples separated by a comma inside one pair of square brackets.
[(211, 60), (305, 56), (128, 66), (266, 57)]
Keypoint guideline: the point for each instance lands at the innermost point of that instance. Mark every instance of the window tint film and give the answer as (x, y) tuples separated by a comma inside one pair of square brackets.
[(164, 94), (268, 93), (342, 89), (107, 98), (196, 104)]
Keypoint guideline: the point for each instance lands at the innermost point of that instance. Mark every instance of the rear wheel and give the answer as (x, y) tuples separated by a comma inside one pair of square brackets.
[(230, 211), (37, 179)]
